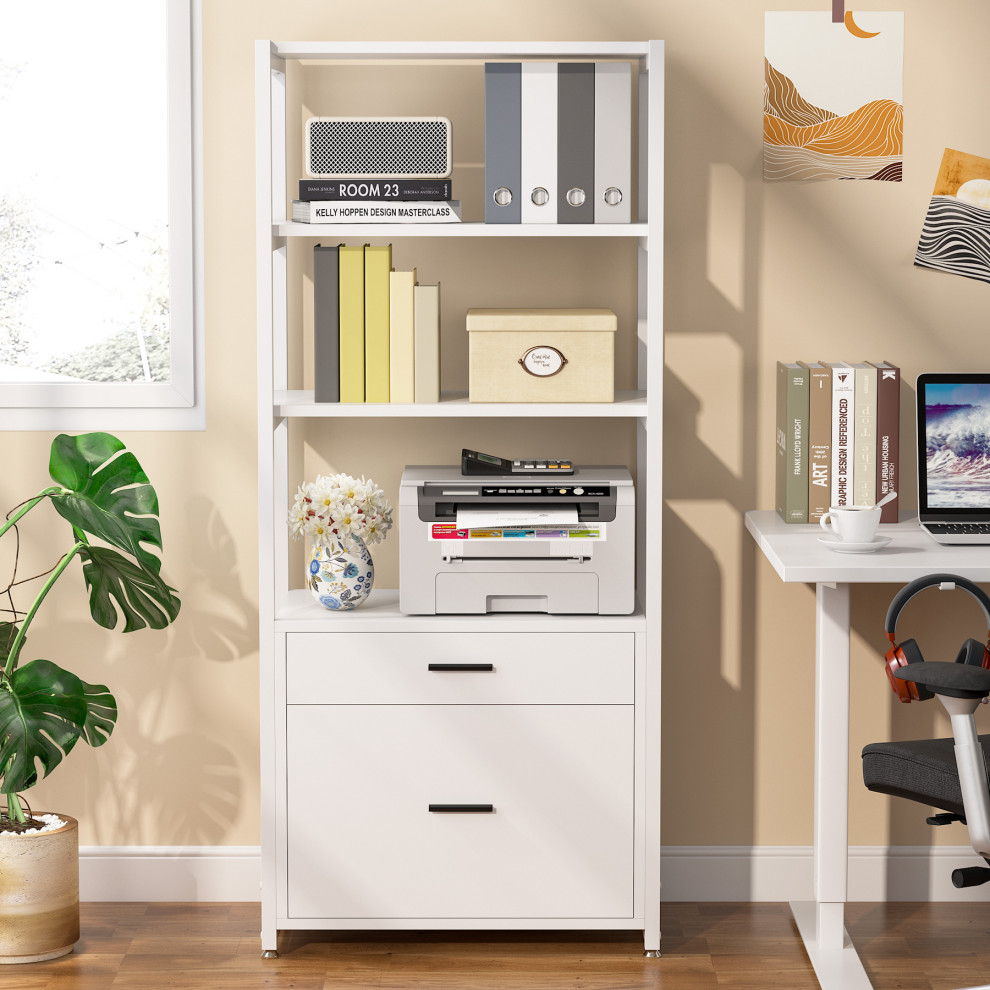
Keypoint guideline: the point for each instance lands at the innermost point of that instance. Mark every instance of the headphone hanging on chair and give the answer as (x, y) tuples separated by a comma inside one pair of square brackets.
[(900, 655)]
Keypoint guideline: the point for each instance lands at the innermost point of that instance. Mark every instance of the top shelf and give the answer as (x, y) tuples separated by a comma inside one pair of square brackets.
[(427, 51)]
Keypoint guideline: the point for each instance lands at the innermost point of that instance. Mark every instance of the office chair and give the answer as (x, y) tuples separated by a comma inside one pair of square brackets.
[(950, 774)]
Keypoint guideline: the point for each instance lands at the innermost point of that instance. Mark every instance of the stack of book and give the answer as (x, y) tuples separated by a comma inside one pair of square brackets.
[(376, 332), (375, 201), (838, 435)]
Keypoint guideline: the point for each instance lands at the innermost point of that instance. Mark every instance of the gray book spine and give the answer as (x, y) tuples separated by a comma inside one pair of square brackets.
[(792, 442), (503, 142), (326, 323), (576, 142)]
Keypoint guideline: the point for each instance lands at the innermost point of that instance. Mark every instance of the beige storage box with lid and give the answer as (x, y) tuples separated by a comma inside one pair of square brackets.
[(541, 355)]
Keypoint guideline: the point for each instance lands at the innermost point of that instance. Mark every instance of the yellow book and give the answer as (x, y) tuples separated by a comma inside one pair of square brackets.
[(351, 263), (377, 265), (401, 352)]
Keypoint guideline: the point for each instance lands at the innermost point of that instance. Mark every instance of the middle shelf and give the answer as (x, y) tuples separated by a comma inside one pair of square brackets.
[(630, 404)]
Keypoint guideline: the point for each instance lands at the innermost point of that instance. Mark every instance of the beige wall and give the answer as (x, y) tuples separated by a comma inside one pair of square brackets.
[(754, 274)]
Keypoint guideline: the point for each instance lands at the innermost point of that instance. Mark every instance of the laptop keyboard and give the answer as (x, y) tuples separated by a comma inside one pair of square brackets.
[(975, 529)]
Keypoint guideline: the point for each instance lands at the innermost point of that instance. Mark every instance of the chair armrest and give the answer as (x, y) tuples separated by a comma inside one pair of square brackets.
[(954, 680)]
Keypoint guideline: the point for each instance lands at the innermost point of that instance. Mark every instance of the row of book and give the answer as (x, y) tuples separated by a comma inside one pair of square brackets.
[(371, 200), (376, 331), (837, 437), (558, 142)]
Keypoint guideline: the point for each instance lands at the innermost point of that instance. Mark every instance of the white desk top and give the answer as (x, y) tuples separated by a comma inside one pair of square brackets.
[(796, 554)]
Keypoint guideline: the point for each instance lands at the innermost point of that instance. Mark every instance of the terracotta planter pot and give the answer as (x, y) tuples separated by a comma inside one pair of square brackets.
[(39, 894)]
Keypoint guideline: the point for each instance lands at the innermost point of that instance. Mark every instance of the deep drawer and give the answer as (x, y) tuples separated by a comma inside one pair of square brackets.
[(557, 841), (484, 668)]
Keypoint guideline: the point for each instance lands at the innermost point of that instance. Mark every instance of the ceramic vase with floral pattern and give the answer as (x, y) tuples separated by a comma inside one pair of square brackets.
[(341, 575)]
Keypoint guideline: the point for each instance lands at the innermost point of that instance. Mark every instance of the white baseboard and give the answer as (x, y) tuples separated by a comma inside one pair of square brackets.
[(689, 873), (169, 873)]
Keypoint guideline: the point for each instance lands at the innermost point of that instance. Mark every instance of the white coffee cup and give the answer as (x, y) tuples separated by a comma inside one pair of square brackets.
[(852, 523)]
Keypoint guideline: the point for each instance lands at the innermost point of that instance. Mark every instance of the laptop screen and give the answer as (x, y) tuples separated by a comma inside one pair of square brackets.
[(954, 447)]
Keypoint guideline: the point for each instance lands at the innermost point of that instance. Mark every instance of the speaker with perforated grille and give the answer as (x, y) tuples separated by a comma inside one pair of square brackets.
[(378, 147)]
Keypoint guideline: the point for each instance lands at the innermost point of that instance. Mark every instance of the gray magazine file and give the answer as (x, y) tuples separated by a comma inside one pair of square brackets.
[(576, 142), (503, 142)]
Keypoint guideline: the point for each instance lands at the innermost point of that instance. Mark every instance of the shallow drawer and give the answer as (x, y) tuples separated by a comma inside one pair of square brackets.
[(544, 830), (453, 668)]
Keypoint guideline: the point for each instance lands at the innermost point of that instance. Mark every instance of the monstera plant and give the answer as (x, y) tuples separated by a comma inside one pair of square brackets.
[(111, 509)]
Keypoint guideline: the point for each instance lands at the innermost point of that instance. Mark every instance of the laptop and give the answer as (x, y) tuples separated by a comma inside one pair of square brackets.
[(954, 457)]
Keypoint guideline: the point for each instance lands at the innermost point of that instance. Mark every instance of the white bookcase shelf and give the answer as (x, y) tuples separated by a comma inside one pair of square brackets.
[(291, 228), (474, 51), (321, 672), (298, 612), (288, 402)]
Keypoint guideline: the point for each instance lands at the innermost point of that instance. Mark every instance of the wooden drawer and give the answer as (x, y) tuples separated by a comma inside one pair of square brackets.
[(363, 843), (394, 668)]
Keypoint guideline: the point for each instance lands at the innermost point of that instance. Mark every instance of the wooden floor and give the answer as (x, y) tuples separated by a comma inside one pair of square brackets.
[(216, 946)]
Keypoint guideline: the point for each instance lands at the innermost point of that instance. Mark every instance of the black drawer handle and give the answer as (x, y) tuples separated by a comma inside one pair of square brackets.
[(461, 666), (462, 809)]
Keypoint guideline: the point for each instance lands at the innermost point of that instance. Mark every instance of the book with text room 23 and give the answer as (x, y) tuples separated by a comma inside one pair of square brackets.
[(385, 190)]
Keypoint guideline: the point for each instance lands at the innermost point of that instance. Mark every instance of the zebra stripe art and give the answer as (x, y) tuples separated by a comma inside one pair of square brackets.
[(956, 234)]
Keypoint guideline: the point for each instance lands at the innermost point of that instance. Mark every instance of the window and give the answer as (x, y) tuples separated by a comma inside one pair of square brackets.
[(100, 215)]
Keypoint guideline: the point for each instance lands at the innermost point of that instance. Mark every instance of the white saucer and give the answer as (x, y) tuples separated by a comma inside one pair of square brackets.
[(842, 546)]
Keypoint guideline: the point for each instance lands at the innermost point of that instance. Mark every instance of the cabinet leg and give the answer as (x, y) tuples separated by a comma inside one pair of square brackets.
[(651, 929), (651, 939), (269, 931)]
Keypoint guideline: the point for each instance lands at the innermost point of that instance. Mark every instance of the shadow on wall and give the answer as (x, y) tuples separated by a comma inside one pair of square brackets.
[(166, 771), (221, 623), (192, 780), (726, 328), (710, 464)]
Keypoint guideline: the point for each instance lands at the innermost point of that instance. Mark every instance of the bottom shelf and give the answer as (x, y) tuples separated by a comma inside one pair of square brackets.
[(299, 612)]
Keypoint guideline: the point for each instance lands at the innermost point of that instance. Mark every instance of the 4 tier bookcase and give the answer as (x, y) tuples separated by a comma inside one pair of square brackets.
[(355, 738)]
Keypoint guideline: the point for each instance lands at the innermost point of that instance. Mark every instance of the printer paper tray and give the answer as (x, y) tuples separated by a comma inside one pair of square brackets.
[(575, 558), (507, 591), (518, 550)]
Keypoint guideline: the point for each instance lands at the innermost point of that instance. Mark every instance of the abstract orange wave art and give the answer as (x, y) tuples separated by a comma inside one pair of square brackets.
[(802, 141)]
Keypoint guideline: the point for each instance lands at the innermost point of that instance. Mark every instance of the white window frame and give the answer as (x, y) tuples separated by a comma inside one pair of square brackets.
[(179, 403)]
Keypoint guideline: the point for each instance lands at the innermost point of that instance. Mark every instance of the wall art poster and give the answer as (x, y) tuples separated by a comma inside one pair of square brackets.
[(956, 234), (832, 96)]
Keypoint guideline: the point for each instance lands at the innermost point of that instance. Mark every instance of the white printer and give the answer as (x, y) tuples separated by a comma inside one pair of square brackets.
[(519, 543)]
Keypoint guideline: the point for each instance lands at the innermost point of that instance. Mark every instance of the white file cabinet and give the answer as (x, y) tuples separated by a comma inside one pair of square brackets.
[(434, 775), (471, 811), (496, 771)]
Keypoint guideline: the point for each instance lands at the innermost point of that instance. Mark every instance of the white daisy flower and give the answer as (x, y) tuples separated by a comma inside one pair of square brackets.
[(340, 505)]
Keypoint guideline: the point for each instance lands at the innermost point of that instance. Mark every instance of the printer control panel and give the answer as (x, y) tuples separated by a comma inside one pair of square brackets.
[(545, 491)]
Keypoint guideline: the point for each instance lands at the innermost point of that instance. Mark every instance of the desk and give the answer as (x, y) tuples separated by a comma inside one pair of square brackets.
[(796, 555)]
